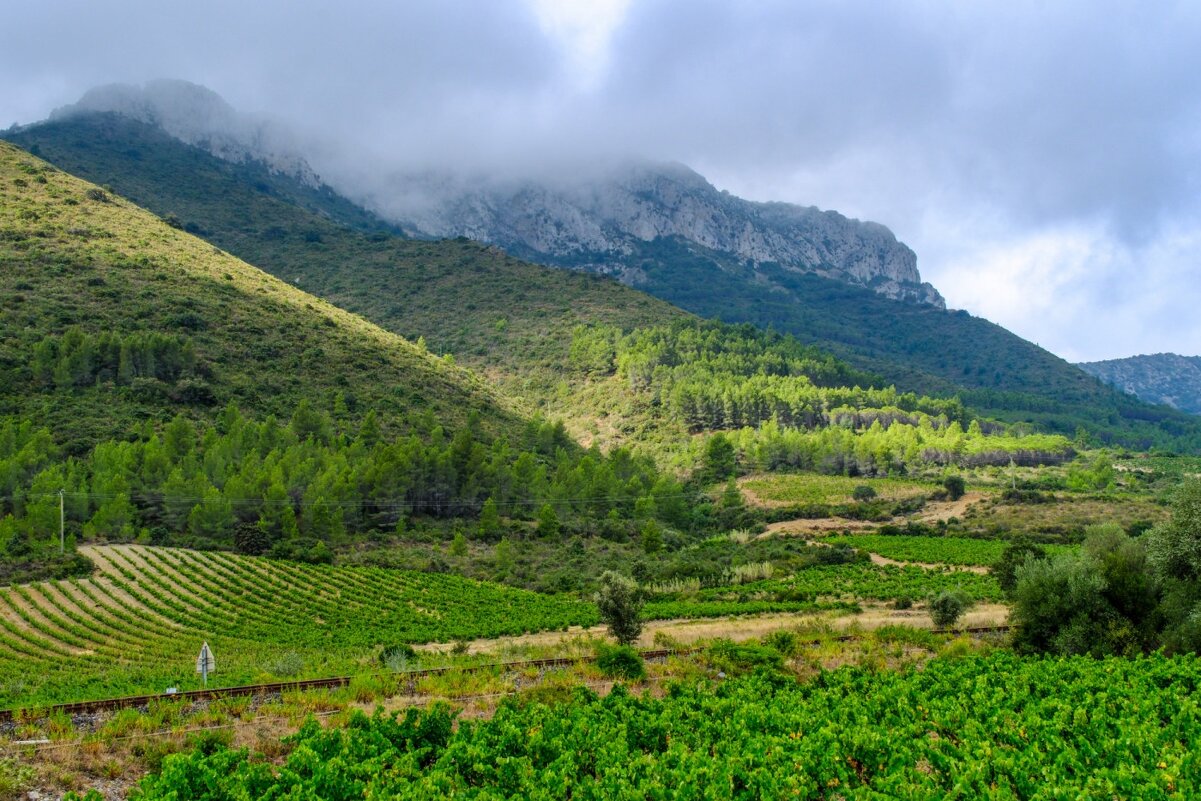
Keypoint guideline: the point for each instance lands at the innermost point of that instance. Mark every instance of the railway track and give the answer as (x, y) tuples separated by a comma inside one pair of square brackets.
[(134, 701)]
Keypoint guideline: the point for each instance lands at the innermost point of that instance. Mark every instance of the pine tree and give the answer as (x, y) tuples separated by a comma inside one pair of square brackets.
[(548, 522), (489, 520), (212, 518)]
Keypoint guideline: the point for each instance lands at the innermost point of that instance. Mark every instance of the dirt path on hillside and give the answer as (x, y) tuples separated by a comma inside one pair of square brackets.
[(737, 628), (815, 527)]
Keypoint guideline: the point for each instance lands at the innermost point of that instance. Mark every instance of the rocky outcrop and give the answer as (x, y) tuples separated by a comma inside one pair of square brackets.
[(599, 221), (1165, 378)]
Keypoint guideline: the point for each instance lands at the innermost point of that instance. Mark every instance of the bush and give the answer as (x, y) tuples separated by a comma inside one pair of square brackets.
[(955, 487), (285, 665), (863, 493), (319, 554), (14, 777), (743, 658), (947, 607), (251, 539), (784, 641), (620, 662), (1015, 554), (1102, 600), (397, 657), (1026, 496)]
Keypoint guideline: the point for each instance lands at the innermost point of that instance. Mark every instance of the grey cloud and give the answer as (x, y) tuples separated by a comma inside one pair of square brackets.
[(1021, 118)]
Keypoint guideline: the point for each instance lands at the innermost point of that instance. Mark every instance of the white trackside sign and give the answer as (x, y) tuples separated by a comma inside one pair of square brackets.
[(206, 663)]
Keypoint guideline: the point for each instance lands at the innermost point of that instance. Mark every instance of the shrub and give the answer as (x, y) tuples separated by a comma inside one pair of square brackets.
[(1015, 554), (397, 657), (863, 493), (784, 641), (955, 487), (948, 606), (620, 662), (285, 665), (743, 658), (251, 538), (319, 554), (14, 777)]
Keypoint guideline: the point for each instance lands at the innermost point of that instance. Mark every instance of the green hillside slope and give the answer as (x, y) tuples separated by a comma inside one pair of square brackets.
[(292, 422), (491, 311), (112, 318), (514, 321), (917, 347)]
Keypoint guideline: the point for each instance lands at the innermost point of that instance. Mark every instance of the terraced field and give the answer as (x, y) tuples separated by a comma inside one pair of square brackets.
[(138, 624)]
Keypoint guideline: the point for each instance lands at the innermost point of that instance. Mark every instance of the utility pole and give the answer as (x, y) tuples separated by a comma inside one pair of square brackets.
[(62, 524), (1013, 473)]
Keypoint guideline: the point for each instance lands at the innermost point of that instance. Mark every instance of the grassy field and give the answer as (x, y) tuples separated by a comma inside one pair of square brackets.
[(1064, 516), (810, 488)]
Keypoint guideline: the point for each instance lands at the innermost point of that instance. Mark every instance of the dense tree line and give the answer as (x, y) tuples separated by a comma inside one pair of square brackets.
[(885, 448), (263, 484), (80, 359), (713, 377)]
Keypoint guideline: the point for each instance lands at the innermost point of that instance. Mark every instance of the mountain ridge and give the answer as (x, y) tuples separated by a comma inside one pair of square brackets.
[(601, 226), (1165, 378), (606, 223), (513, 320)]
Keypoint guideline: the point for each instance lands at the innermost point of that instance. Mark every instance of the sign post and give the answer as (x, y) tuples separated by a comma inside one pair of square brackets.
[(205, 663)]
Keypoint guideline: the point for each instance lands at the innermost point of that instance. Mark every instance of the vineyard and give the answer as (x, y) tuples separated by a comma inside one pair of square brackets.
[(996, 726), (138, 625), (831, 584), (931, 550)]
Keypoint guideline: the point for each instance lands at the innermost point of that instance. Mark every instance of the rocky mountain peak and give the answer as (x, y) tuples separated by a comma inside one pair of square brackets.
[(602, 219), (605, 218), (199, 116)]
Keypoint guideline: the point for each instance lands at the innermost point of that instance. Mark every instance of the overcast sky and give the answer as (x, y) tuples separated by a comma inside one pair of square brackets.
[(1042, 159)]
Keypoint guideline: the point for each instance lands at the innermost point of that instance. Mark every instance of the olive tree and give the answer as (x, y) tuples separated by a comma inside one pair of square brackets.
[(619, 601)]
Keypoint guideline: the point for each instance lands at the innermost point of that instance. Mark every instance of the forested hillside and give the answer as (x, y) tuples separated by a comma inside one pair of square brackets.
[(514, 320), (919, 348), (175, 394), (113, 319), (1166, 378), (493, 312)]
